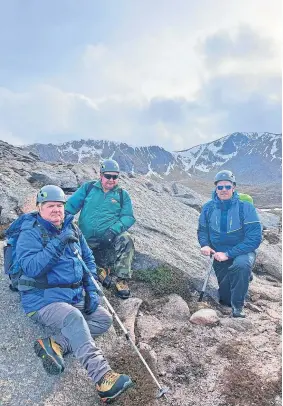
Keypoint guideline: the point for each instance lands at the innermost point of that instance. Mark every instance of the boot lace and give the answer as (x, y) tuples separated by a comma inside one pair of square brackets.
[(109, 378), (122, 285)]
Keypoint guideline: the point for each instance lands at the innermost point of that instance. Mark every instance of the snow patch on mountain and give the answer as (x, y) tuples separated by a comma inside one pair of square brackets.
[(254, 157)]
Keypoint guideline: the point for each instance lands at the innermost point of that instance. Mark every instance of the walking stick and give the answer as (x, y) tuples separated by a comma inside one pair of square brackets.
[(162, 391), (206, 279)]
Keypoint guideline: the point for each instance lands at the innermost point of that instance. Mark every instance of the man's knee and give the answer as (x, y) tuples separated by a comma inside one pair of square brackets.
[(74, 318), (99, 322), (124, 241), (243, 262)]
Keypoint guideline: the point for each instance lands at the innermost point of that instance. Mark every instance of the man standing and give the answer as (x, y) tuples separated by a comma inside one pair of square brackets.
[(230, 230), (106, 215), (57, 293)]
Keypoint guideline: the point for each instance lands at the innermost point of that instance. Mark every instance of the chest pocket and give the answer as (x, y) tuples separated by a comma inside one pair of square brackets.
[(214, 220), (233, 221)]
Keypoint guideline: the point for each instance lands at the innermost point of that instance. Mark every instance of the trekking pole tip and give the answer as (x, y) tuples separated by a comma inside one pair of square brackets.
[(162, 392)]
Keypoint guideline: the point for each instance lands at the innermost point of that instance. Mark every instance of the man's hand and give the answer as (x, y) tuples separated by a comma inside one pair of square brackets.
[(220, 256), (91, 302), (207, 251), (107, 239), (67, 236)]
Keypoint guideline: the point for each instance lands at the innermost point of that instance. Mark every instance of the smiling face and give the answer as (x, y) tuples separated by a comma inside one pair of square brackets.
[(225, 194), (53, 212), (109, 184)]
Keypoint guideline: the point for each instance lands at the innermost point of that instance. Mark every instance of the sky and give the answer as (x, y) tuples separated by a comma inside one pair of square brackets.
[(172, 73)]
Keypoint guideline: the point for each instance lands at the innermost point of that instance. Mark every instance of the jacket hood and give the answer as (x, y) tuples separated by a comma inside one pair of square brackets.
[(50, 227), (27, 220)]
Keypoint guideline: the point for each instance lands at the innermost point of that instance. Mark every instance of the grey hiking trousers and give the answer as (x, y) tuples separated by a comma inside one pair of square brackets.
[(76, 333)]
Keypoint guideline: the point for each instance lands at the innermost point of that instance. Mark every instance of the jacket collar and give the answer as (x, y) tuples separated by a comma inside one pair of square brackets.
[(50, 227), (99, 186), (225, 204)]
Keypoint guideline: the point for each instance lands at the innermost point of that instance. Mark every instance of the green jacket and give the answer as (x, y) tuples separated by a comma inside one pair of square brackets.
[(101, 211)]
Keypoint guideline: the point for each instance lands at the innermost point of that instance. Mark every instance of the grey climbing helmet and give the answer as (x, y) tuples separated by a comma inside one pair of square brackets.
[(109, 165), (225, 175), (50, 193)]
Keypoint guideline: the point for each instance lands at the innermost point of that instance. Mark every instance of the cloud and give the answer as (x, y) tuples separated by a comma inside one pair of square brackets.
[(142, 76), (239, 43)]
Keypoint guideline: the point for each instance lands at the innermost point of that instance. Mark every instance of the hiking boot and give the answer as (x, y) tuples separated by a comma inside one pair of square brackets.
[(122, 289), (104, 277), (238, 312), (50, 354), (111, 385), (224, 303)]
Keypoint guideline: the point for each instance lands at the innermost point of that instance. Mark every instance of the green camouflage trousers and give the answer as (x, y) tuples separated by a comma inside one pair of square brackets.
[(119, 257)]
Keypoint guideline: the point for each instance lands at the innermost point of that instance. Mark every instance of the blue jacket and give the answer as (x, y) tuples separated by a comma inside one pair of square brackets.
[(54, 263), (221, 228)]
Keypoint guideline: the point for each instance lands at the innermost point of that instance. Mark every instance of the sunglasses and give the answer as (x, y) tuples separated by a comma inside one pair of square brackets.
[(108, 176), (226, 187)]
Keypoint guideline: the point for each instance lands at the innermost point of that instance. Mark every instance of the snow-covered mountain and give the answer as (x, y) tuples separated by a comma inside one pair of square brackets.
[(254, 157), (144, 160)]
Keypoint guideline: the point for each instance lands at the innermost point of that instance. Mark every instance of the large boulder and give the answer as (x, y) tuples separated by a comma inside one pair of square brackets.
[(269, 259)]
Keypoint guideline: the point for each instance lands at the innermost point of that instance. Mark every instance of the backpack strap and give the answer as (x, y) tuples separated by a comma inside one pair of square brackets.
[(241, 212), (121, 197), (44, 234), (26, 283), (209, 212), (89, 188)]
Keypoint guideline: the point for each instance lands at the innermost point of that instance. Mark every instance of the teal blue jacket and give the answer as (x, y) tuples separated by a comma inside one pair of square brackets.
[(101, 211)]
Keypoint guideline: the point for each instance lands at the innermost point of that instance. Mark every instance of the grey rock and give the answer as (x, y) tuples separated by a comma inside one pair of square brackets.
[(128, 311), (237, 324)]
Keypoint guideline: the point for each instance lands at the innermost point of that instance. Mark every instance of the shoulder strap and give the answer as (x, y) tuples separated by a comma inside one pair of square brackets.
[(241, 212), (90, 186), (121, 197), (209, 212), (43, 232)]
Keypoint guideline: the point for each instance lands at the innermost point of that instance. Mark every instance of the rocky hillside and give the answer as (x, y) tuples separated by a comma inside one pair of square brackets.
[(255, 158), (205, 358)]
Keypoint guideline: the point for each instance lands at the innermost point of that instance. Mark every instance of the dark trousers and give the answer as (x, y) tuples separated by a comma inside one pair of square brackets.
[(233, 278)]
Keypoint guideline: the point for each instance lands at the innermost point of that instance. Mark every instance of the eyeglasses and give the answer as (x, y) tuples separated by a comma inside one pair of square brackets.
[(108, 176), (227, 187)]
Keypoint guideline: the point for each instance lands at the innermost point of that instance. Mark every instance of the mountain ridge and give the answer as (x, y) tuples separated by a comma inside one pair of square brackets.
[(254, 157)]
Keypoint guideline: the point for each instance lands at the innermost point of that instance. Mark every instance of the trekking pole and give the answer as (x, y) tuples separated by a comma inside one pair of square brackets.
[(206, 278), (162, 391)]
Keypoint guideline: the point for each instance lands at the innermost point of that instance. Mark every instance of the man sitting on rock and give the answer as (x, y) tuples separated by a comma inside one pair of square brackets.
[(106, 215), (56, 292), (230, 230)]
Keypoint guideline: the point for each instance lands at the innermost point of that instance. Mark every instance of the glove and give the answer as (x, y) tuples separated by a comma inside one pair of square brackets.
[(107, 239), (67, 236), (91, 302)]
